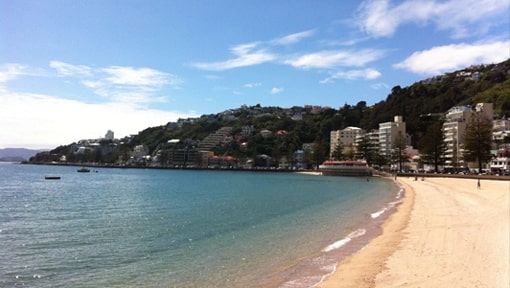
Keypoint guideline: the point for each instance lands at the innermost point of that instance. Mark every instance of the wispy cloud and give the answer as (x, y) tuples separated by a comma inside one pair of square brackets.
[(65, 69), (336, 58), (442, 59), (11, 71), (292, 38), (260, 52), (246, 55), (120, 83), (382, 18), (380, 86), (366, 74), (138, 76), (252, 85), (254, 53)]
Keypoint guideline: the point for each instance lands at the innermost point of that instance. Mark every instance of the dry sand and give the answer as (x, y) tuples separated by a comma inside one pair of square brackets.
[(446, 233)]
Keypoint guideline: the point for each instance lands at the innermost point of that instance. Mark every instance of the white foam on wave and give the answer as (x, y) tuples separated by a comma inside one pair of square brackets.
[(396, 202), (347, 239), (331, 270), (390, 204), (400, 192), (311, 281), (378, 213)]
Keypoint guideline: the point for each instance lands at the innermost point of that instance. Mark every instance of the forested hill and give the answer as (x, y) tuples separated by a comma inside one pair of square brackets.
[(483, 83)]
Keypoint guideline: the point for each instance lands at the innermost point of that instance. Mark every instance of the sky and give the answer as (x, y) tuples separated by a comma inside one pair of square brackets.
[(71, 70)]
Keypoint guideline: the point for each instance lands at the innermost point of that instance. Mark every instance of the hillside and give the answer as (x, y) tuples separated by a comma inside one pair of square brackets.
[(484, 83), (17, 154), (300, 125)]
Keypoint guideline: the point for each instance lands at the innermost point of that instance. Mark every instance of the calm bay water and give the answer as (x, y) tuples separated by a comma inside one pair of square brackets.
[(179, 228)]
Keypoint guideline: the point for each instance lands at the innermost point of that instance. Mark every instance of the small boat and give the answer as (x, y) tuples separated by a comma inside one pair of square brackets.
[(52, 177), (83, 169)]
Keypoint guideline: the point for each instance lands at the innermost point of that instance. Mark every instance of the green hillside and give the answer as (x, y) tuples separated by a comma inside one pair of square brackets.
[(440, 93)]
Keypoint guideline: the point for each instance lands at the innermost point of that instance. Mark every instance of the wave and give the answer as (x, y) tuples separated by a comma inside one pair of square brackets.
[(347, 239), (390, 204), (378, 213), (400, 192), (311, 281)]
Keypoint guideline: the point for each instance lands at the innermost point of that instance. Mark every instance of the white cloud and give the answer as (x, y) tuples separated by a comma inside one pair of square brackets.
[(12, 71), (441, 59), (120, 83), (42, 121), (92, 84), (252, 85), (367, 74), (332, 59), (65, 69), (380, 86), (380, 18), (258, 52), (292, 38), (276, 90), (138, 76), (246, 55), (49, 121)]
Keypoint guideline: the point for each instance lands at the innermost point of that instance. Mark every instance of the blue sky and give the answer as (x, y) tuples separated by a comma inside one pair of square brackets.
[(71, 70)]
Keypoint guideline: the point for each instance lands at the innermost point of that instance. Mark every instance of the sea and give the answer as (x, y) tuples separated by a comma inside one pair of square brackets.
[(117, 227)]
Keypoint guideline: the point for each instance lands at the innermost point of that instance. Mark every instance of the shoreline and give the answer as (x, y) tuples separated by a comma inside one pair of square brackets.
[(444, 231)]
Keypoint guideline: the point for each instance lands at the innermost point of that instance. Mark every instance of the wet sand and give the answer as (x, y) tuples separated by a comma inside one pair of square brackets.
[(446, 233)]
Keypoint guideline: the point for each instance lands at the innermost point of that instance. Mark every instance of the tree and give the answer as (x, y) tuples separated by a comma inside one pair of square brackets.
[(338, 153), (478, 140), (398, 154), (432, 145), (319, 154), (366, 150)]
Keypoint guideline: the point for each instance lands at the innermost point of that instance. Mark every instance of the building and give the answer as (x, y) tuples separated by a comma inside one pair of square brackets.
[(215, 139), (501, 129), (388, 133), (299, 158), (247, 130), (454, 129), (371, 142), (140, 151), (345, 138), (109, 135), (501, 163)]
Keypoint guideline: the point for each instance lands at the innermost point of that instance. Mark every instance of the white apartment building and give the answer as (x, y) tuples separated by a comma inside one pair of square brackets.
[(345, 138), (388, 132), (454, 130), (501, 163)]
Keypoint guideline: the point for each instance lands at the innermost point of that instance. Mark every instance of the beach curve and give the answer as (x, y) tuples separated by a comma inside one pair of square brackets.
[(446, 231)]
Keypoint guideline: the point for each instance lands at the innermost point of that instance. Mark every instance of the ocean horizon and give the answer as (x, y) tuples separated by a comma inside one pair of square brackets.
[(182, 228)]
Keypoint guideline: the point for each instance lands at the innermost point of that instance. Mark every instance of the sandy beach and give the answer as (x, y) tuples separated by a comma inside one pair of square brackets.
[(446, 233)]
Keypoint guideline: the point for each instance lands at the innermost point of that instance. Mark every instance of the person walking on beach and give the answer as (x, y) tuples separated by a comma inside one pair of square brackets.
[(478, 186)]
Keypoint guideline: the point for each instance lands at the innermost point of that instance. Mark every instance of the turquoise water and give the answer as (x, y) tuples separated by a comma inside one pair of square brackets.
[(180, 228)]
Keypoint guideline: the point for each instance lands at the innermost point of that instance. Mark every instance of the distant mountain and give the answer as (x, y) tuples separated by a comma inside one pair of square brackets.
[(17, 154)]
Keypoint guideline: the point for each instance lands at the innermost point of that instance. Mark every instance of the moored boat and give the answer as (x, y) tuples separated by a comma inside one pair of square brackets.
[(83, 169), (52, 177), (345, 168)]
